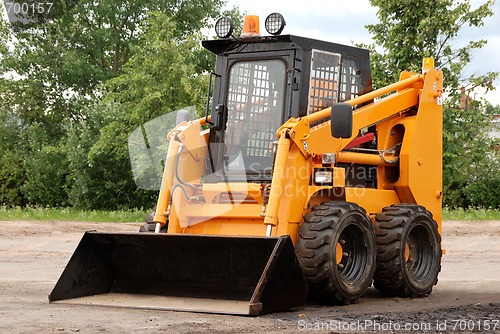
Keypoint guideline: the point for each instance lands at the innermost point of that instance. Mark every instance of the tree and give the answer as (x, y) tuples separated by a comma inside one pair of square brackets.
[(12, 173), (56, 72), (62, 59), (408, 32), (159, 77)]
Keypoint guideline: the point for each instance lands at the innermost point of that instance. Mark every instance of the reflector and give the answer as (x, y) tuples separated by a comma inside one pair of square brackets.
[(427, 64)]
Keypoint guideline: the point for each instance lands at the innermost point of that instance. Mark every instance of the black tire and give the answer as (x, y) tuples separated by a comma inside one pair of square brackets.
[(408, 251), (332, 278), (149, 225)]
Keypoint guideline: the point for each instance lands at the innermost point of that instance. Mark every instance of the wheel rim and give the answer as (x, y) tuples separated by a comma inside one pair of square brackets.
[(338, 253), (420, 252), (352, 264)]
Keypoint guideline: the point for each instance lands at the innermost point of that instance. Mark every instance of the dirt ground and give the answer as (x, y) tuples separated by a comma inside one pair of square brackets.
[(466, 299)]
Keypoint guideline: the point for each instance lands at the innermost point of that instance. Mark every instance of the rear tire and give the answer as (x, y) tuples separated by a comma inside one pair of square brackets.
[(336, 250), (408, 251)]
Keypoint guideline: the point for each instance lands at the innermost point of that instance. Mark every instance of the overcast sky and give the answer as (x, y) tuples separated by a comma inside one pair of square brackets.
[(344, 22)]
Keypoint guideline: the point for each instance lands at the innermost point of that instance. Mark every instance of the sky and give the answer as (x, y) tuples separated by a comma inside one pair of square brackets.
[(344, 22)]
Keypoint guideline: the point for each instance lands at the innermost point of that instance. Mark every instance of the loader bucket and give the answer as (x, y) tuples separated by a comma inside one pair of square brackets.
[(212, 274)]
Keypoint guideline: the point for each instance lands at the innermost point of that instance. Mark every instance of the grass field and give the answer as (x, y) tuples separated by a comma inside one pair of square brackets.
[(71, 214), (471, 214)]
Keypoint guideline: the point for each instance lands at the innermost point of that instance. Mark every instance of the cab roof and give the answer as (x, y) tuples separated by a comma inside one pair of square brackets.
[(221, 46)]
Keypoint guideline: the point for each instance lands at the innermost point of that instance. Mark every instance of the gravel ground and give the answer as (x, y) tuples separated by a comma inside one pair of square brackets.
[(466, 299)]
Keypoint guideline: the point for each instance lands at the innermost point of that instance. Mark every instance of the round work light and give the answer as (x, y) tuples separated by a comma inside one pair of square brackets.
[(224, 27), (275, 23)]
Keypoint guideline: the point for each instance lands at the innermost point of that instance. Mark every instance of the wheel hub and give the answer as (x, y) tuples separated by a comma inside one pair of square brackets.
[(338, 253)]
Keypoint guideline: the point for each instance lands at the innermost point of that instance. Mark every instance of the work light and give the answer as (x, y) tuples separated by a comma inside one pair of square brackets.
[(224, 27), (275, 23), (323, 177)]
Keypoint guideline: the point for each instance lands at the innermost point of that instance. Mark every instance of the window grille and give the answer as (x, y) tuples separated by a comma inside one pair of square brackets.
[(324, 78), (255, 103), (351, 81)]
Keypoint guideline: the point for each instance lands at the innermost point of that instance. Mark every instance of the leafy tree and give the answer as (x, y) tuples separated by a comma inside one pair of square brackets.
[(408, 32), (99, 168), (12, 177), (12, 173), (160, 77), (62, 58), (56, 73), (46, 173)]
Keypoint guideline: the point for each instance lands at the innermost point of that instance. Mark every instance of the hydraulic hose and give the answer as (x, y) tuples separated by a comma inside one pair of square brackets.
[(176, 169)]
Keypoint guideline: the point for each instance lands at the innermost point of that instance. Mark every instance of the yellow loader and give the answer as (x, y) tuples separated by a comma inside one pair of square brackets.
[(299, 181)]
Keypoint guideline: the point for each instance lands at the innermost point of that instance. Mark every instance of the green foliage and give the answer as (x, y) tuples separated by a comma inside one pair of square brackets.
[(61, 62), (12, 173), (99, 167), (44, 166), (470, 161), (70, 214), (161, 76), (12, 177), (46, 172), (408, 32), (76, 82)]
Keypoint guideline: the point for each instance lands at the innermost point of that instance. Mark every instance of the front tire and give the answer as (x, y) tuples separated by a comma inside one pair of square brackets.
[(336, 249), (408, 251)]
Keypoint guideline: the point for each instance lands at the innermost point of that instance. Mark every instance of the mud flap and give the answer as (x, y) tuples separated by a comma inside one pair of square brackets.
[(213, 274)]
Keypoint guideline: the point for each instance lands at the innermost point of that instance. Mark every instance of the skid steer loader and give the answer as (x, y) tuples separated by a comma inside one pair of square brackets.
[(299, 181)]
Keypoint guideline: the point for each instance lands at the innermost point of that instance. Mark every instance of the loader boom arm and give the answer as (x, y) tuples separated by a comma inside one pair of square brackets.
[(415, 105)]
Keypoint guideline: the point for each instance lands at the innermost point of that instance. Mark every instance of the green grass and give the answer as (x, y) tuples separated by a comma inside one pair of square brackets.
[(471, 214), (70, 214)]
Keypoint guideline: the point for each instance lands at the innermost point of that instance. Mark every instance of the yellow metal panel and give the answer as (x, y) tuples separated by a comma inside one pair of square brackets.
[(228, 226), (425, 152), (208, 211), (294, 193), (194, 142), (166, 183), (211, 190), (276, 193), (372, 200)]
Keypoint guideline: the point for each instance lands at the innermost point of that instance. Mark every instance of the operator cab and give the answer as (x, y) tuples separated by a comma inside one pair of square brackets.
[(262, 81)]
